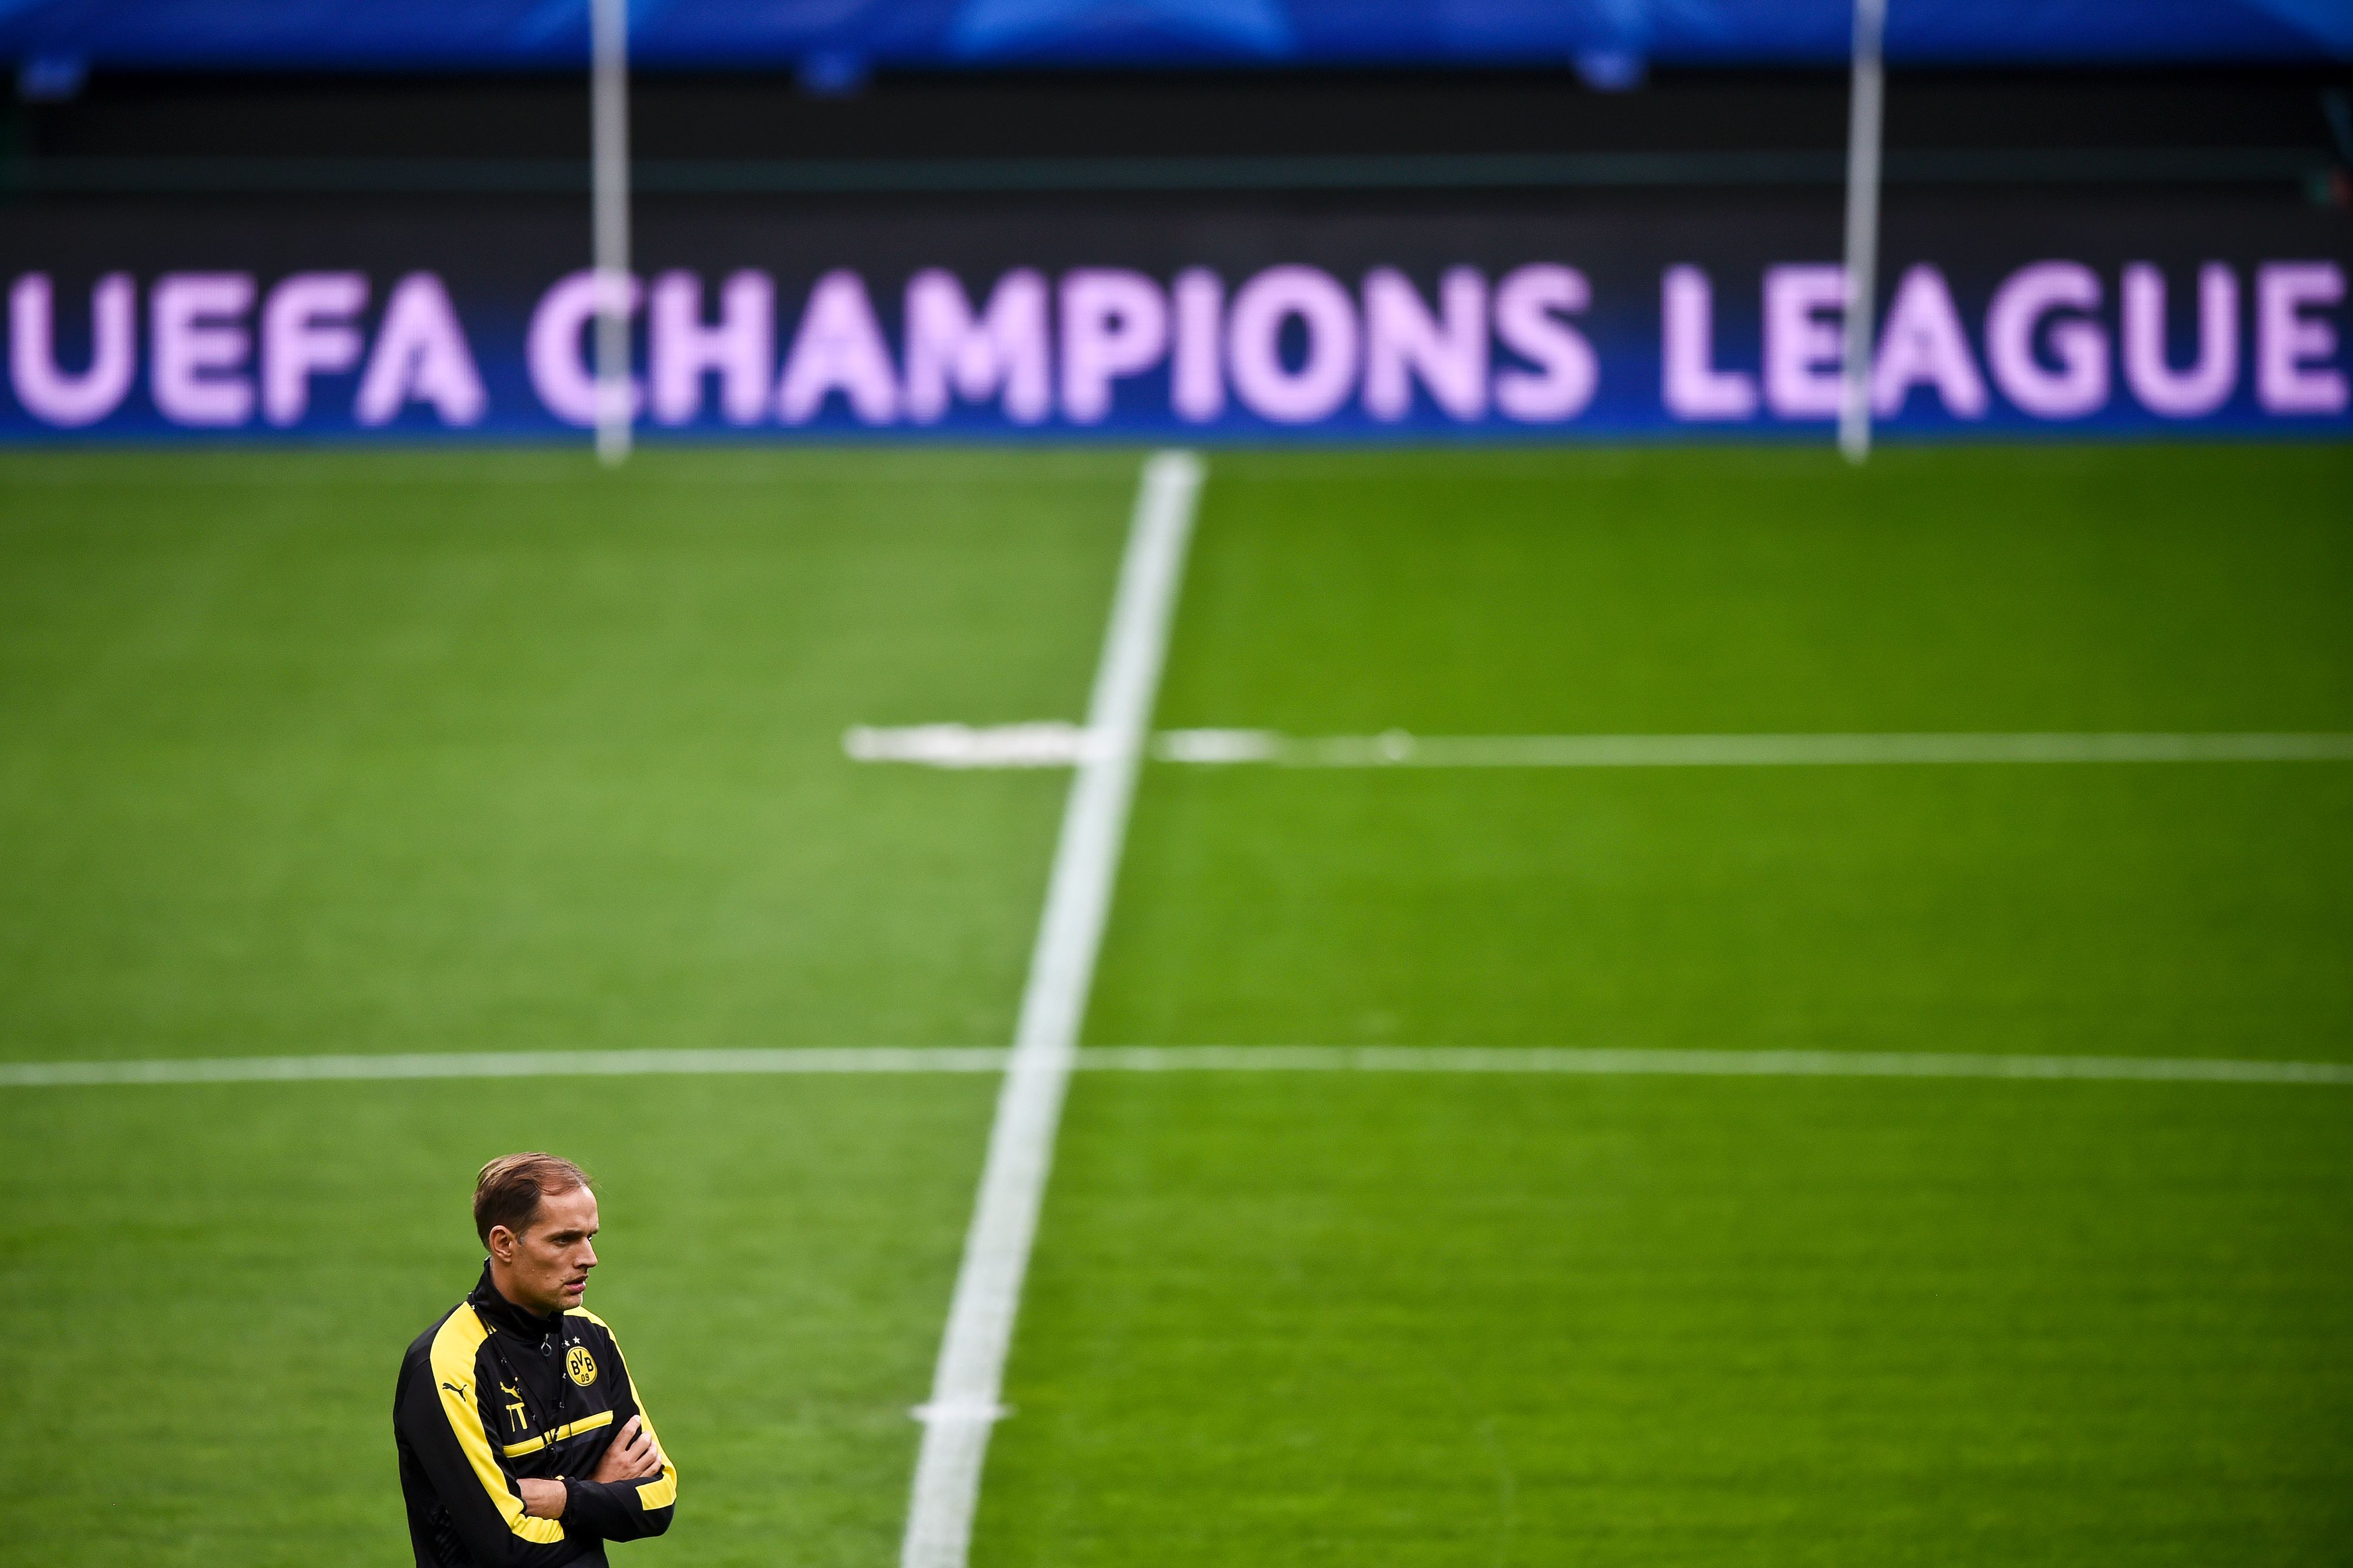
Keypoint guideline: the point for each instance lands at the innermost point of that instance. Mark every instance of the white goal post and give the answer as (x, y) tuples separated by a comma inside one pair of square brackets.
[(1863, 117), (609, 67)]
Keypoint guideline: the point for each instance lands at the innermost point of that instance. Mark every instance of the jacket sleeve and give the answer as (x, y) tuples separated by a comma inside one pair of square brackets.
[(440, 1417), (625, 1510)]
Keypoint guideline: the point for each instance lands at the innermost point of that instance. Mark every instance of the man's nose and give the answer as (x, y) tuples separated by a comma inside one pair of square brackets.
[(589, 1259)]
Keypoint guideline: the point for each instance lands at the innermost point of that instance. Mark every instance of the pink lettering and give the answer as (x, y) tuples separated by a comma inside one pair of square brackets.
[(1530, 303), (2207, 384), (2078, 383), (1689, 382), (55, 397), (1197, 372), (1327, 370), (2287, 342), (740, 348), (552, 349), (1802, 349), (309, 327), (1404, 344), (1922, 345), (1114, 324), (201, 347), (1004, 352), (838, 348), (420, 356)]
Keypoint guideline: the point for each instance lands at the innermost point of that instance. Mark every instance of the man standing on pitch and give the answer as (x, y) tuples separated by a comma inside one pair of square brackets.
[(523, 1441)]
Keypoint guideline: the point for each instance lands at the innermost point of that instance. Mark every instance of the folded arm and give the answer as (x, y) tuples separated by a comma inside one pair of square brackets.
[(444, 1429), (633, 1491)]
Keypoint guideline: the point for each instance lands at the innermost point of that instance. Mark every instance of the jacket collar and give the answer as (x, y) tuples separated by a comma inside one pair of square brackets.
[(500, 1312)]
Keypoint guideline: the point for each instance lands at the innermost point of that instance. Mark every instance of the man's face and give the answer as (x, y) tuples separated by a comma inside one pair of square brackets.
[(548, 1264)]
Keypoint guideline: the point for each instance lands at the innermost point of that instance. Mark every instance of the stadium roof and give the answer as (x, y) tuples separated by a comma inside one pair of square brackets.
[(847, 37)]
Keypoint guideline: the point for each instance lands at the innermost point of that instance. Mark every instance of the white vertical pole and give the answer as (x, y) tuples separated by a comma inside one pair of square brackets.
[(1861, 225), (609, 47)]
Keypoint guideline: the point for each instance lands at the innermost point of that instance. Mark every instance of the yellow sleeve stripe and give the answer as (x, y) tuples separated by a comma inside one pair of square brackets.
[(546, 1439), (660, 1493), (453, 1371)]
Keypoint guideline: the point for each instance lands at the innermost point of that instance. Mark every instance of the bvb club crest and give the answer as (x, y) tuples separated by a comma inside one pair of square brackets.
[(580, 1365)]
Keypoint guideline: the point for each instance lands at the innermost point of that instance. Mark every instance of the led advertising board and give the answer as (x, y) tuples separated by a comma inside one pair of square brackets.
[(1643, 322)]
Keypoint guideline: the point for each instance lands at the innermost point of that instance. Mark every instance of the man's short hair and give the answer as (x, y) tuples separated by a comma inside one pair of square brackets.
[(509, 1189)]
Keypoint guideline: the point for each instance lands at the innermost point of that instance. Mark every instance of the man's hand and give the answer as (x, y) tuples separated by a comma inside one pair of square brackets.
[(632, 1455)]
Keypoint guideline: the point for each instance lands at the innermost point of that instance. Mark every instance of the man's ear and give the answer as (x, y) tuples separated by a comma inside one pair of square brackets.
[(502, 1244)]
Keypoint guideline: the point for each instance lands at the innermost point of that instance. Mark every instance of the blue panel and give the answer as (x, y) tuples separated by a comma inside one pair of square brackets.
[(857, 34)]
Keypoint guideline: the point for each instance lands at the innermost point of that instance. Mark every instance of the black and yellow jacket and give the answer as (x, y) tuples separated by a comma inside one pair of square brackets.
[(491, 1394)]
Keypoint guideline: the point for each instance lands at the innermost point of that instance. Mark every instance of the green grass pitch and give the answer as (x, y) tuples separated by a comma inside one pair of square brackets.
[(313, 752)]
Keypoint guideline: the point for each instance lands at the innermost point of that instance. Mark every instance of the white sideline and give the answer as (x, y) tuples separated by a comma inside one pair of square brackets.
[(965, 1386), (1588, 1061)]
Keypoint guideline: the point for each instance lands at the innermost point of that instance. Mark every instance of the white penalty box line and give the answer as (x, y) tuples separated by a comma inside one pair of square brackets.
[(1487, 1061)]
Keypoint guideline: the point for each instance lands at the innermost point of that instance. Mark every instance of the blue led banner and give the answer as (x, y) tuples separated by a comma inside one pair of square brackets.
[(845, 38), (752, 325)]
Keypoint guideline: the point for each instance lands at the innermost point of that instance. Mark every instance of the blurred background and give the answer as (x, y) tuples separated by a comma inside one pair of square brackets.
[(1733, 940)]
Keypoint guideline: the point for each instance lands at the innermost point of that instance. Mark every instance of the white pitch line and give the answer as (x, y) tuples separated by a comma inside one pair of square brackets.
[(964, 1404), (1398, 748), (1062, 745), (358, 1067), (1611, 1063), (1586, 1061), (1048, 744)]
